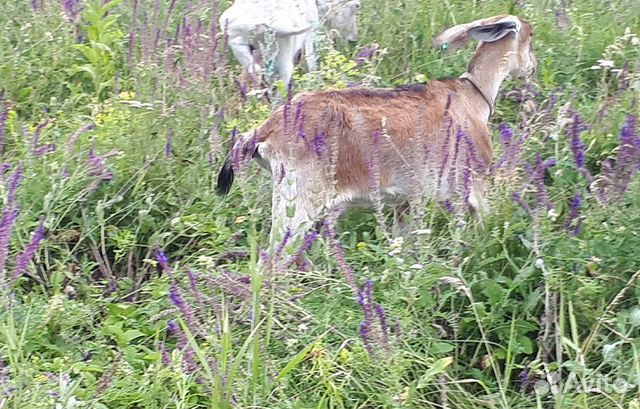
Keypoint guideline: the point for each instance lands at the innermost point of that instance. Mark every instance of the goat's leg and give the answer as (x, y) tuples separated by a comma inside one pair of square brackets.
[(295, 208), (478, 201), (284, 59), (309, 49), (242, 51)]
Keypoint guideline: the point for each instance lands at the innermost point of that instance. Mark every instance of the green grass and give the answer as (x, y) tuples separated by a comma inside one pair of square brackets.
[(485, 312)]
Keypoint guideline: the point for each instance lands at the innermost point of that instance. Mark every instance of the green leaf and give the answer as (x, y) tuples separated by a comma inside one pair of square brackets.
[(441, 348), (293, 363), (130, 335), (438, 368)]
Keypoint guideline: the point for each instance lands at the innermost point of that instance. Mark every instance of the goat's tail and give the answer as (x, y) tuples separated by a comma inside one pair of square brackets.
[(225, 177), (242, 152)]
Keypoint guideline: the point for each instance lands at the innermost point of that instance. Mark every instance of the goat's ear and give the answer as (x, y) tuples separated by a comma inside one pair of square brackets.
[(452, 38), (493, 32), (489, 29)]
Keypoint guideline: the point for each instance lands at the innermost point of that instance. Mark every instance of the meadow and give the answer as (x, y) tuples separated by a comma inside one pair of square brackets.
[(126, 282)]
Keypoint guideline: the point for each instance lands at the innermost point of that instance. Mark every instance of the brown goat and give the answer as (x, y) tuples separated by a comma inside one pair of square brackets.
[(330, 148)]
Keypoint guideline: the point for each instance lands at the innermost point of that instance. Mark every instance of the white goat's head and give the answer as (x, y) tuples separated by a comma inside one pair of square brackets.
[(513, 36), (341, 17)]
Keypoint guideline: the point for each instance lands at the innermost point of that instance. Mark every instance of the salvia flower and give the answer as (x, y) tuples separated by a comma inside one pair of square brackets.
[(384, 325), (309, 239), (8, 218), (193, 285), (185, 308), (616, 175), (365, 299), (189, 364), (511, 148), (98, 168), (106, 379), (283, 243), (320, 144), (4, 116), (168, 147), (172, 327), (71, 142), (364, 335), (164, 353), (4, 167), (365, 54), (24, 258), (37, 149), (577, 146), (338, 252), (574, 221), (542, 195), (5, 388), (44, 149), (517, 198), (163, 260), (71, 10)]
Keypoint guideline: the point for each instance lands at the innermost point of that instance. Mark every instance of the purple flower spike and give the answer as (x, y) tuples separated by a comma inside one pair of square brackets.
[(98, 169), (364, 335), (574, 222), (542, 195), (282, 245), (8, 218), (384, 326), (168, 147), (163, 260), (577, 146), (320, 144), (44, 149), (71, 10), (176, 298), (172, 326), (164, 353), (365, 54), (506, 134), (23, 260), (309, 239), (71, 142), (4, 116), (619, 173)]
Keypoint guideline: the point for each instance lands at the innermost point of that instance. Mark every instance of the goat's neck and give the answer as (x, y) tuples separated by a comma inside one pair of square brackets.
[(486, 73)]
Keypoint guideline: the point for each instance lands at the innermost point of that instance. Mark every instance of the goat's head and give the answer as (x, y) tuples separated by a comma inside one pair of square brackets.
[(512, 35), (341, 17)]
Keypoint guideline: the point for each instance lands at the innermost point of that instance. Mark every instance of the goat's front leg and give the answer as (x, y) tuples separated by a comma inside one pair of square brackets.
[(309, 49), (284, 59), (239, 45), (296, 205)]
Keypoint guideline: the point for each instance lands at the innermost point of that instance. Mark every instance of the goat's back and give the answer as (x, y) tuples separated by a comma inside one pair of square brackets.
[(406, 129)]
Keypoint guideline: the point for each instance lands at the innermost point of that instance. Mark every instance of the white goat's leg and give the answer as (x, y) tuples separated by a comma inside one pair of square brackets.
[(284, 59), (309, 49), (478, 201), (240, 47)]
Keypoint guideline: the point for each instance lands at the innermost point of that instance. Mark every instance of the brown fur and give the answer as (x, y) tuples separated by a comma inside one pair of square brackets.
[(355, 114)]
